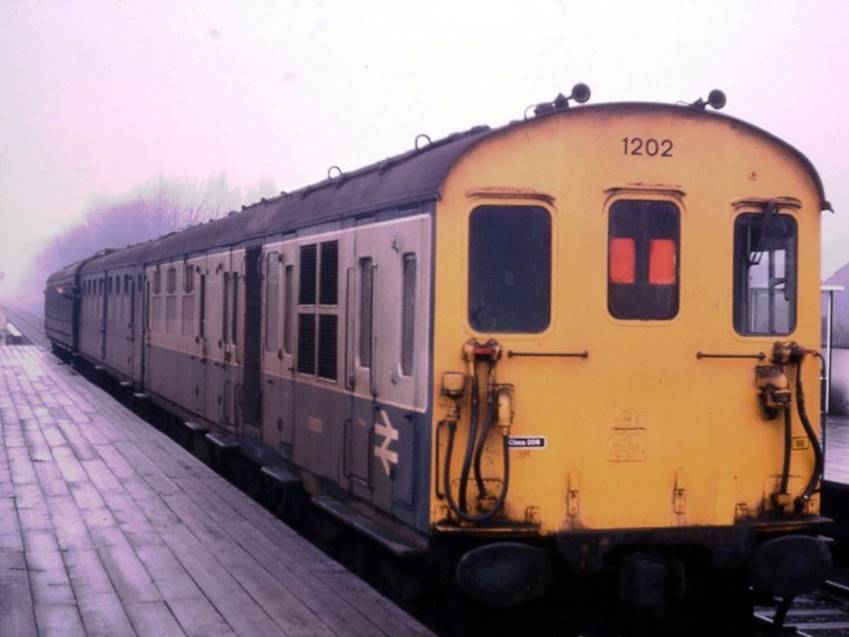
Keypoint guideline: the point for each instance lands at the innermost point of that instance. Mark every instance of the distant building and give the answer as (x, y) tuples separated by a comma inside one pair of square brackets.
[(839, 394)]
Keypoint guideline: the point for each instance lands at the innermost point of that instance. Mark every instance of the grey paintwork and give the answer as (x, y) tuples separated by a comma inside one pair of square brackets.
[(330, 430)]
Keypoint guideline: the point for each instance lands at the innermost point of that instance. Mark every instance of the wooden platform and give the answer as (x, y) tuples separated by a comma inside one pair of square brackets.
[(108, 527)]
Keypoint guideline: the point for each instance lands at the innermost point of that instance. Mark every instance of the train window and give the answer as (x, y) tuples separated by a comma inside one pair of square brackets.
[(317, 337), (171, 280), (234, 322), (764, 274), (157, 281), (308, 280), (366, 310), (306, 343), (109, 285), (188, 278), (225, 308), (643, 258), (187, 315), (117, 285), (272, 301), (327, 327), (408, 314), (328, 287), (202, 302), (509, 269), (170, 314), (140, 285), (288, 298)]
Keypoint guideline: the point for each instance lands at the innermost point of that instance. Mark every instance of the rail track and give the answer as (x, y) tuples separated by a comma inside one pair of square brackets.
[(824, 613)]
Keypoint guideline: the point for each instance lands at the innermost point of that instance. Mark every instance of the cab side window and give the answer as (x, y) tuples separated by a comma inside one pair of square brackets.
[(509, 269), (643, 260), (764, 274)]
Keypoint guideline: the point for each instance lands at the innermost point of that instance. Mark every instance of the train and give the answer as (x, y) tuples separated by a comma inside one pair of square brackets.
[(573, 343)]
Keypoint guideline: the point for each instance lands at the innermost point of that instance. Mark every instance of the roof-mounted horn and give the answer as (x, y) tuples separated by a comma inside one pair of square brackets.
[(580, 94), (715, 99)]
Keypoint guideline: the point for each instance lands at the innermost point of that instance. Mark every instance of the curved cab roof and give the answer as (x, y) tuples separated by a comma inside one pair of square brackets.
[(404, 180)]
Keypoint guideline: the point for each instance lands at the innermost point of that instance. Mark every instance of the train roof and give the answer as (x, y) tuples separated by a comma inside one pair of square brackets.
[(401, 181), (69, 271)]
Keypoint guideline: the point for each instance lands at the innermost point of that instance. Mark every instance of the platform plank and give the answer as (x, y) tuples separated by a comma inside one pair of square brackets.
[(108, 527)]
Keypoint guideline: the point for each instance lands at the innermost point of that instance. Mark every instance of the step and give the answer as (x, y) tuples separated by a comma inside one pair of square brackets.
[(391, 541), (224, 442), (195, 427), (281, 475)]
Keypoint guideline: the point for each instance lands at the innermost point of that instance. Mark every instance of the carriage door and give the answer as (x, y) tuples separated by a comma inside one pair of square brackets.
[(389, 357), (201, 362), (360, 346), (288, 309), (252, 341), (278, 348)]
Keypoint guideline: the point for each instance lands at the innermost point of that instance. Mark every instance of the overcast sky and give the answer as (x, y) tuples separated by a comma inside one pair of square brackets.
[(99, 97)]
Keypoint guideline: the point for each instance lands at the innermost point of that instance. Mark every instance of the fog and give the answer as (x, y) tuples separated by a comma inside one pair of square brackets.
[(99, 98)]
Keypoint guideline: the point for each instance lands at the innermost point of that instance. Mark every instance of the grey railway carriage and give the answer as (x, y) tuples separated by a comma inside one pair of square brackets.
[(302, 324)]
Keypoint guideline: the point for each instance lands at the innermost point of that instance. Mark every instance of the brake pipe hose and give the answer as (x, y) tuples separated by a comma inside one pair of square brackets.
[(474, 451), (471, 441), (481, 442), (446, 474), (812, 436), (788, 445)]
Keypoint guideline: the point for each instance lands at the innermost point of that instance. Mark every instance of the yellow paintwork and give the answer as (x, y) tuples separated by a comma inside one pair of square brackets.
[(708, 454)]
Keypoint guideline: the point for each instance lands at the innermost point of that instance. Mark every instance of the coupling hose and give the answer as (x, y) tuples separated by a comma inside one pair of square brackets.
[(816, 475), (472, 457), (474, 416), (446, 475), (788, 447)]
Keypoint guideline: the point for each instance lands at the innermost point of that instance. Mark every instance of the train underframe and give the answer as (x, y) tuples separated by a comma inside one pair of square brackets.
[(705, 578)]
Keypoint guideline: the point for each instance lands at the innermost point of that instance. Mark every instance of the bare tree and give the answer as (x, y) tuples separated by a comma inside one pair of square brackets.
[(156, 208)]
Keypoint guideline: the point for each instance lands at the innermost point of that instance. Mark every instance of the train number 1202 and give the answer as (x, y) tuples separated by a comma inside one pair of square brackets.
[(649, 146)]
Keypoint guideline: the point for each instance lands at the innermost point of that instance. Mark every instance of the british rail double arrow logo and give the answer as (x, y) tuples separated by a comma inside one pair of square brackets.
[(389, 434)]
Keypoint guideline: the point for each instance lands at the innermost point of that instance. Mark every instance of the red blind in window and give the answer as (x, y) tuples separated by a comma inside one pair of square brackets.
[(622, 260), (662, 261)]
